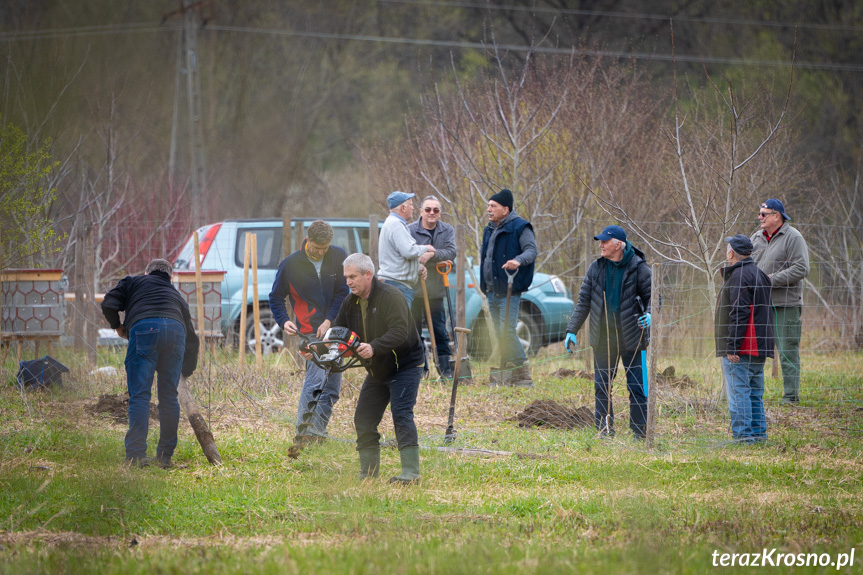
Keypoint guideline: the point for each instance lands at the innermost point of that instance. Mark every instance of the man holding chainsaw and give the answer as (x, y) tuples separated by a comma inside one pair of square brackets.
[(379, 314), (616, 295), (312, 278), (430, 230), (507, 258), (400, 257)]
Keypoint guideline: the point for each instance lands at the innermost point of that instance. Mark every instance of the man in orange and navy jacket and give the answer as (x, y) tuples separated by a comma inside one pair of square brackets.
[(744, 339), (313, 280)]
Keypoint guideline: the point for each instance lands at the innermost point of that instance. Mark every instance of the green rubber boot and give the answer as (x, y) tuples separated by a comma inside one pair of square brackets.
[(410, 475), (370, 462)]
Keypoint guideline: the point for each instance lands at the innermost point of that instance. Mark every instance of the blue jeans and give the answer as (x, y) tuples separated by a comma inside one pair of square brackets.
[(511, 350), (329, 396), (156, 345), (745, 380), (406, 290), (400, 392)]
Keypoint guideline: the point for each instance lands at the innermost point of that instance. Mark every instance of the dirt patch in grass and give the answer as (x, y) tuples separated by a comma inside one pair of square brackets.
[(579, 373), (549, 413), (117, 407), (74, 540)]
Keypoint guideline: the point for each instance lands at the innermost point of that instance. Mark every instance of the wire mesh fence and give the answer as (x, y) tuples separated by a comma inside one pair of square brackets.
[(685, 381)]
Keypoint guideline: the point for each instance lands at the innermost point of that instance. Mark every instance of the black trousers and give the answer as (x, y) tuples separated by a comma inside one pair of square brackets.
[(400, 392)]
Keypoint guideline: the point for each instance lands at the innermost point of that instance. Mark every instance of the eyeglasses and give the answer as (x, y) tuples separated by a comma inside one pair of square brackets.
[(765, 214), (431, 210)]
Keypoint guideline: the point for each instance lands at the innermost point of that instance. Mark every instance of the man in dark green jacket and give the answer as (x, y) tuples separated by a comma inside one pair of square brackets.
[(379, 314), (616, 296)]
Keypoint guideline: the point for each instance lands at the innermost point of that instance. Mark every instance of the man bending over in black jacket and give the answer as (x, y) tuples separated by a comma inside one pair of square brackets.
[(161, 340)]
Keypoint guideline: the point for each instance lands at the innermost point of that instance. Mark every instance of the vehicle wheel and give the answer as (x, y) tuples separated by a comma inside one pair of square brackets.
[(528, 332), (271, 334)]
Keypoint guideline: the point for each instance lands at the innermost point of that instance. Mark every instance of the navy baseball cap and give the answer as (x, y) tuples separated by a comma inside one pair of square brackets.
[(398, 198), (740, 244), (612, 233), (776, 206)]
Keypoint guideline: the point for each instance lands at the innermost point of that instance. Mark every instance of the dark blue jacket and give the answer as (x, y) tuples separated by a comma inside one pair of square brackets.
[(314, 300), (592, 298), (506, 247)]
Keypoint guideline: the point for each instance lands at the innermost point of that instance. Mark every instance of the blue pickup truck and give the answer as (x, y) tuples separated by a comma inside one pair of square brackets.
[(543, 314)]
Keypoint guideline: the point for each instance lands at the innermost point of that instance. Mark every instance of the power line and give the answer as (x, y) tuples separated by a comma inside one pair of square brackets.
[(628, 15), (460, 45), (542, 49)]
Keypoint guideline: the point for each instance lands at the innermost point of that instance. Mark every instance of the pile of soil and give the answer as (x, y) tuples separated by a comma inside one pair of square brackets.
[(117, 406), (563, 372), (549, 413), (668, 377)]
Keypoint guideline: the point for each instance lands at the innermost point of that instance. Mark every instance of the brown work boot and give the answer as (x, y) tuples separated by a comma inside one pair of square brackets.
[(521, 376)]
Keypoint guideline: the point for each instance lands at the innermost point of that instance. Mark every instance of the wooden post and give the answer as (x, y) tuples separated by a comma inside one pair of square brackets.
[(78, 306), (286, 234), (299, 235), (91, 333), (199, 291), (373, 239), (256, 305), (651, 367), (584, 336), (244, 309), (461, 264), (196, 420), (292, 342)]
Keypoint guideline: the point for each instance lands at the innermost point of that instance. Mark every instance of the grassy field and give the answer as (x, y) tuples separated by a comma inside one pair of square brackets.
[(553, 501)]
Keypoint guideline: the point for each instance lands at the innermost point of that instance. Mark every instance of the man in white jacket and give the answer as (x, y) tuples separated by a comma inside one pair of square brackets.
[(399, 256)]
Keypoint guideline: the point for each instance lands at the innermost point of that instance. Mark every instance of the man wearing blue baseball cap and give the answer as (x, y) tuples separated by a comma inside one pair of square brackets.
[(744, 339), (400, 258), (616, 295), (781, 252)]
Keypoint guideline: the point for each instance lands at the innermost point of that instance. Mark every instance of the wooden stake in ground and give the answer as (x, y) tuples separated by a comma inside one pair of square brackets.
[(244, 308), (256, 305), (199, 291), (196, 420)]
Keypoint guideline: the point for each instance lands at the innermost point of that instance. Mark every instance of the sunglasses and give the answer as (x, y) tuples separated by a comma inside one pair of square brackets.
[(765, 214), (431, 210)]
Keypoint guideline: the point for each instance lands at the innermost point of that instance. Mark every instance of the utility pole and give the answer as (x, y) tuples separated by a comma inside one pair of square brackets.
[(193, 15)]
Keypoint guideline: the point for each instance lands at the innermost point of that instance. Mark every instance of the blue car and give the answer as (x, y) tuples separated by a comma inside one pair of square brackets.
[(543, 312)]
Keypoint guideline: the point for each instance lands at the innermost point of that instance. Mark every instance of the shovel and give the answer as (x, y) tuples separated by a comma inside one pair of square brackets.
[(450, 429), (443, 268), (431, 326)]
